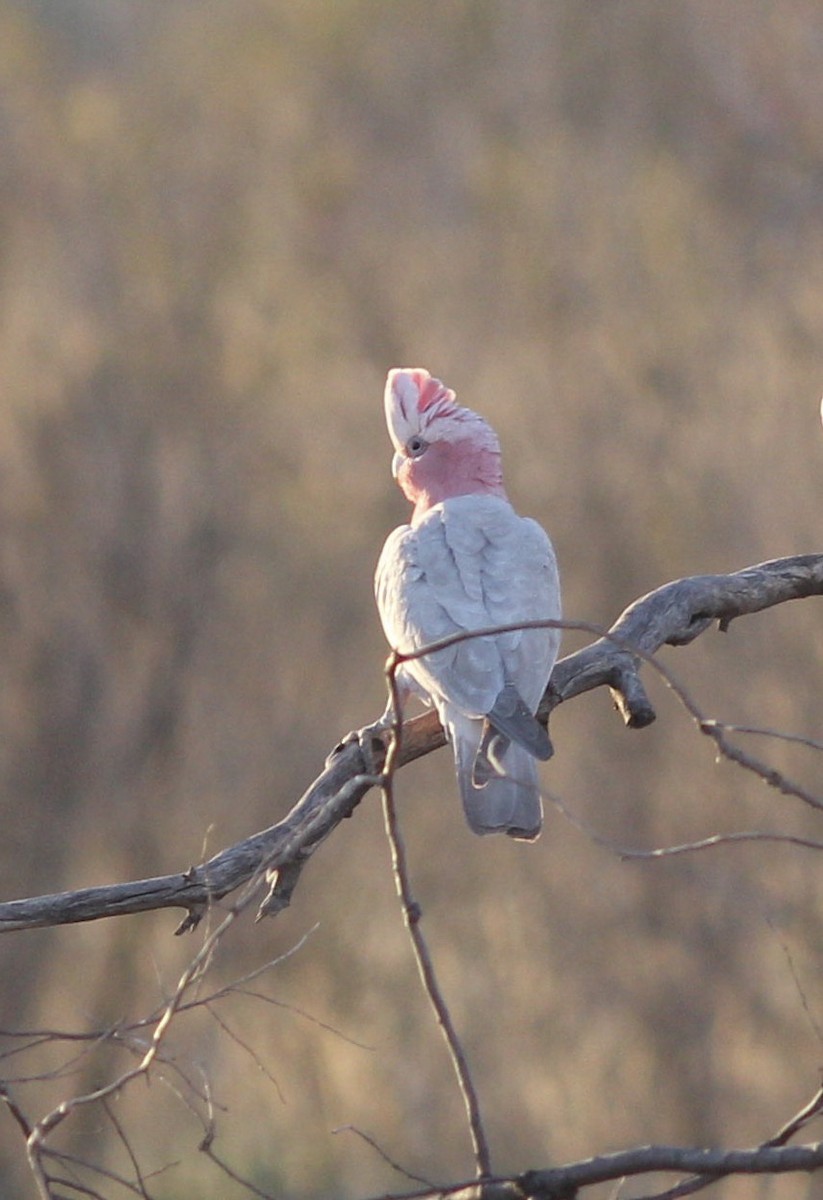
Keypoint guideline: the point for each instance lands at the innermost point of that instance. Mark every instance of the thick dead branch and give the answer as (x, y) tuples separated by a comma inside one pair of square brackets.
[(564, 1183), (674, 614), (760, 1160)]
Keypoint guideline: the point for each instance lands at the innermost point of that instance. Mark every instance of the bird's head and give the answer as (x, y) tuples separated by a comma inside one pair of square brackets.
[(441, 449)]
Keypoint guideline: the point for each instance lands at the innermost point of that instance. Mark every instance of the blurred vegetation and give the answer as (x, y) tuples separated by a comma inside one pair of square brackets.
[(220, 224)]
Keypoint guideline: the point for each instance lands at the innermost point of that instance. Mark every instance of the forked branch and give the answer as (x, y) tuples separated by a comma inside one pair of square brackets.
[(565, 1182), (674, 614)]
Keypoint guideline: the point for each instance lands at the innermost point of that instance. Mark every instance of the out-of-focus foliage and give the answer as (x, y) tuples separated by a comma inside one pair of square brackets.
[(220, 223)]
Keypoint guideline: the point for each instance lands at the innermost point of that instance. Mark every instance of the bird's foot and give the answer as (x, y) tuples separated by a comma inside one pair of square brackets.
[(370, 740)]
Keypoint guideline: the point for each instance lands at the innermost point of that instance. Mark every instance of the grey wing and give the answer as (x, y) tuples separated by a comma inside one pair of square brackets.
[(524, 585), (429, 585)]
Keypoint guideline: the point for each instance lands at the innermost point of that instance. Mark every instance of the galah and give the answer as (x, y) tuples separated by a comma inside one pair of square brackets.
[(466, 562)]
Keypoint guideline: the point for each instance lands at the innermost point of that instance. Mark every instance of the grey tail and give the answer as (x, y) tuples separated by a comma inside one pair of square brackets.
[(505, 803), (511, 717)]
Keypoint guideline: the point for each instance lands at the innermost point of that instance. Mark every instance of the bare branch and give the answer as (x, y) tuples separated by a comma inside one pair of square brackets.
[(249, 1050), (412, 914), (799, 1121), (778, 734), (38, 1150), (629, 854), (674, 614), (378, 1149), (564, 1182), (761, 1160)]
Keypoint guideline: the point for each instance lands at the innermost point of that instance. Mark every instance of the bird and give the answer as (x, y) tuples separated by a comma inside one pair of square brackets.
[(466, 562)]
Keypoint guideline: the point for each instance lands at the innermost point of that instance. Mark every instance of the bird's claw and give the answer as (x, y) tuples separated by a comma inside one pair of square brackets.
[(370, 740)]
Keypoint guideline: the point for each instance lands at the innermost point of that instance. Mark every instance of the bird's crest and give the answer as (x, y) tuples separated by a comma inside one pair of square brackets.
[(415, 400), (431, 391), (413, 391)]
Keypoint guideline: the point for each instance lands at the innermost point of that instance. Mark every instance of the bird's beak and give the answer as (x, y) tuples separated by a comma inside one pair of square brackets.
[(397, 463)]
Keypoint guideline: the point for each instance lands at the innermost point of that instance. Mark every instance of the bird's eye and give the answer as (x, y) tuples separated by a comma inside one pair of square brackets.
[(415, 446)]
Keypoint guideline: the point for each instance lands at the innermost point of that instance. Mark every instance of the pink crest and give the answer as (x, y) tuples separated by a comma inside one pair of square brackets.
[(413, 392), (431, 391)]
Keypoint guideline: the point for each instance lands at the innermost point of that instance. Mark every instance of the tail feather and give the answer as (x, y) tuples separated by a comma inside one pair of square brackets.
[(507, 803), (510, 716)]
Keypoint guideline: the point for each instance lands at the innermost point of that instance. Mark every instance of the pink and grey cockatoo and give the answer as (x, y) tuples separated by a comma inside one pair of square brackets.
[(467, 561)]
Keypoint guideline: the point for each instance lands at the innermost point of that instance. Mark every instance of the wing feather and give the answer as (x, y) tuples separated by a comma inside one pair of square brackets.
[(471, 562)]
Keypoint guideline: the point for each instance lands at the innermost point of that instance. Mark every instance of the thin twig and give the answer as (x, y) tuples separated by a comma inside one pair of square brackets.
[(799, 1121), (249, 1050), (687, 1187), (696, 1183), (36, 1143), (15, 1110), (378, 1149), (233, 1175), (814, 1024), (72, 1160), (122, 1137), (412, 914), (629, 854), (759, 731), (722, 839), (207, 1148)]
